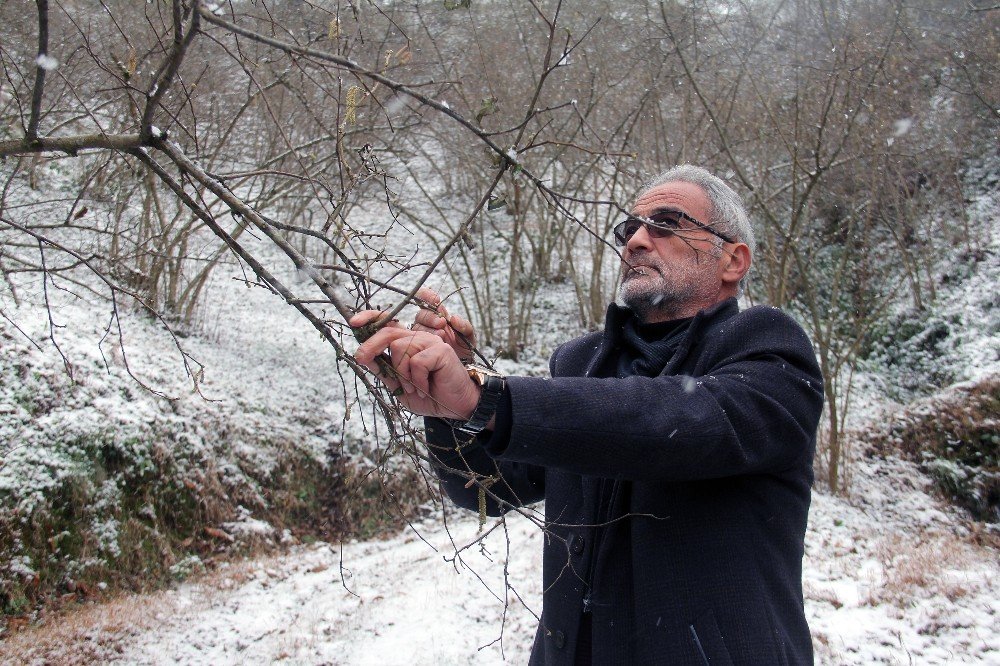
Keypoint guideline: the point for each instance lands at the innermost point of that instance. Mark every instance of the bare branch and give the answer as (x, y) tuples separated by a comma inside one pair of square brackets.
[(72, 145), (168, 68)]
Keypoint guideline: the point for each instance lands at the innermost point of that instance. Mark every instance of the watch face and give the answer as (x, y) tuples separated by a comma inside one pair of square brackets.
[(479, 373)]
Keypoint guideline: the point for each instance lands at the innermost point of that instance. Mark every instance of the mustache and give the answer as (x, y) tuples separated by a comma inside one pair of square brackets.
[(638, 261)]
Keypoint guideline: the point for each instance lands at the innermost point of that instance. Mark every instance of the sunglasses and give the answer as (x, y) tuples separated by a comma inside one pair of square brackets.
[(659, 225)]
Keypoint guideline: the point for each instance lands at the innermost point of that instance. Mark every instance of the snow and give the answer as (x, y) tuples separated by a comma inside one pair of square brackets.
[(902, 126), (46, 62), (412, 605), (891, 577), (393, 602)]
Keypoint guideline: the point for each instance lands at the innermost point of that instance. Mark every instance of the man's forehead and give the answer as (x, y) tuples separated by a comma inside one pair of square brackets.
[(672, 195)]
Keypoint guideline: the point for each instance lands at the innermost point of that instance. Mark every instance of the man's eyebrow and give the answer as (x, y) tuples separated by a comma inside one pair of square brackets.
[(679, 212)]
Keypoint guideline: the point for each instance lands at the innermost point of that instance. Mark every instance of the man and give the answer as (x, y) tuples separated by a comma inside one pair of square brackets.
[(673, 450)]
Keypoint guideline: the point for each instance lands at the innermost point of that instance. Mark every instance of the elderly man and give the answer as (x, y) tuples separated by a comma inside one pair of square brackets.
[(673, 450)]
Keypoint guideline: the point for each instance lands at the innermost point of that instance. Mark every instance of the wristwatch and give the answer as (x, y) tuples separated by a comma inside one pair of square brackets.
[(493, 384)]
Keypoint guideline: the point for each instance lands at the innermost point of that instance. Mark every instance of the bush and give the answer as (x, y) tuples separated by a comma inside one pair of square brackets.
[(144, 521), (104, 490), (914, 353), (955, 438)]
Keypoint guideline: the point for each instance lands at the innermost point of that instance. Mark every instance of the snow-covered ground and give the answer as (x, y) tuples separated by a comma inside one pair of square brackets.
[(891, 577)]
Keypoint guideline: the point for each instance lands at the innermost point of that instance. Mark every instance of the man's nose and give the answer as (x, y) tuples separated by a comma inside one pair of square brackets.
[(640, 240)]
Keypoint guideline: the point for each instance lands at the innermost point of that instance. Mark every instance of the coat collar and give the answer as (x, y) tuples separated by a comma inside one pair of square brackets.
[(617, 316)]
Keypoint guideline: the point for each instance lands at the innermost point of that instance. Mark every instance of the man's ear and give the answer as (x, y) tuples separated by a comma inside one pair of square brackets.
[(737, 264)]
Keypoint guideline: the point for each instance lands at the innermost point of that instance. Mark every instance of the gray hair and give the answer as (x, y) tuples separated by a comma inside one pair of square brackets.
[(728, 213)]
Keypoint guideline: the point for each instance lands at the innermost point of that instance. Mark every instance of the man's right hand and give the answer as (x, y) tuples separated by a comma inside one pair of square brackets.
[(454, 330), (426, 375)]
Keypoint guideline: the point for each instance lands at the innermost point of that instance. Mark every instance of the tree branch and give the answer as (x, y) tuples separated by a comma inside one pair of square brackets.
[(71, 145)]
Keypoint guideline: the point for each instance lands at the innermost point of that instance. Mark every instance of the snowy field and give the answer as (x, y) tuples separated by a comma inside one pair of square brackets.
[(889, 579)]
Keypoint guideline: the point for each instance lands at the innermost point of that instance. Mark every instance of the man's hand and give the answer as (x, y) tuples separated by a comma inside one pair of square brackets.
[(454, 330), (426, 374)]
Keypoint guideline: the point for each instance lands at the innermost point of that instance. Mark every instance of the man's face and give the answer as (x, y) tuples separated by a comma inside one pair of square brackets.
[(677, 275)]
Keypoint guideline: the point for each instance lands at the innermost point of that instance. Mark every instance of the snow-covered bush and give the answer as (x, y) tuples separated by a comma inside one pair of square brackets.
[(951, 340), (916, 354), (104, 483), (955, 438)]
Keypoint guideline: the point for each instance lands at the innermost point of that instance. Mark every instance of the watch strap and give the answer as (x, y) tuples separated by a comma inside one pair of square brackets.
[(493, 386)]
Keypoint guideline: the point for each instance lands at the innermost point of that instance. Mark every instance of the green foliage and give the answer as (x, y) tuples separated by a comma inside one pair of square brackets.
[(128, 514), (487, 108), (914, 353)]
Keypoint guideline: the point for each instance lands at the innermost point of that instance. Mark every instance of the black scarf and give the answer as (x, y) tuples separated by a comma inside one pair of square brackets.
[(647, 348)]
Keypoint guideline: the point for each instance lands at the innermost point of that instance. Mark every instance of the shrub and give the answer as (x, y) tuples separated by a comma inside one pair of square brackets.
[(955, 438)]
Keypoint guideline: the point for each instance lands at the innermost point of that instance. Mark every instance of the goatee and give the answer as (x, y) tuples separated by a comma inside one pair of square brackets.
[(655, 291)]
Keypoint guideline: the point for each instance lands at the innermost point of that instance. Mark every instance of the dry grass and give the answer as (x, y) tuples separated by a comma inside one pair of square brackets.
[(953, 436), (86, 634), (816, 593), (98, 632), (920, 567)]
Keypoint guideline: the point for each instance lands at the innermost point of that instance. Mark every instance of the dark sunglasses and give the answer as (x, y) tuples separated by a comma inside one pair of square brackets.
[(659, 225)]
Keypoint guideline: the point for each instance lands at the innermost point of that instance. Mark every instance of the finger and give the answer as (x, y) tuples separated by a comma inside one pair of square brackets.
[(426, 362), (435, 308), (363, 317), (429, 320), (463, 326), (386, 374), (420, 374), (429, 296), (403, 374), (380, 342), (366, 317), (403, 347)]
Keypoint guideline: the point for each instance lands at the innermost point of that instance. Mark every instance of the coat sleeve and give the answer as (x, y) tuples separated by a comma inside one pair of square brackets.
[(516, 484), (751, 405)]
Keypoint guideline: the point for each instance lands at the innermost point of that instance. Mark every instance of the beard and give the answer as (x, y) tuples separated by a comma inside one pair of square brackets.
[(656, 291)]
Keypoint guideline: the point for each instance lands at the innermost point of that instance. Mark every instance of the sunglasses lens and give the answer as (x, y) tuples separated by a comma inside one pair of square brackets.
[(625, 230), (660, 225), (667, 219)]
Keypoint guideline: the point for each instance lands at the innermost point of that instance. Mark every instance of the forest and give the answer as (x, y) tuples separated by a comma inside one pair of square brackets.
[(196, 196)]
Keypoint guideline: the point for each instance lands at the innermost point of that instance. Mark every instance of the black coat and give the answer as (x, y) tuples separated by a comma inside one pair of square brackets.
[(676, 505)]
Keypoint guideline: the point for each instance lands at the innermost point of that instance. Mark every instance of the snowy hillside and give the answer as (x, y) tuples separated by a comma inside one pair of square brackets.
[(893, 574)]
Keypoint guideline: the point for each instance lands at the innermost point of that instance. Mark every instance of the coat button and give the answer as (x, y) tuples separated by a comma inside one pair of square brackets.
[(560, 639), (576, 545)]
